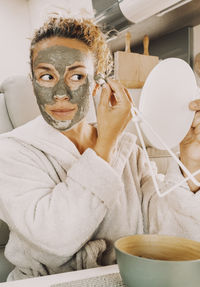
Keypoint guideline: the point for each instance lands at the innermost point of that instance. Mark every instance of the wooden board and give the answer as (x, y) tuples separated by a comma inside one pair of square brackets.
[(132, 69), (127, 69), (147, 63)]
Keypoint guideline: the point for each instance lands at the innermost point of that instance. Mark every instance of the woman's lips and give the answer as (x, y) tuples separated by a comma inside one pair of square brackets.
[(63, 112)]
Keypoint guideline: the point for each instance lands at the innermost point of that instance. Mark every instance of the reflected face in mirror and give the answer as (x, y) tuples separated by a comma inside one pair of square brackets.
[(63, 72)]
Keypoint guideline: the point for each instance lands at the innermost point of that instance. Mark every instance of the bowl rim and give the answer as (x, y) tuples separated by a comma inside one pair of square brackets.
[(154, 260)]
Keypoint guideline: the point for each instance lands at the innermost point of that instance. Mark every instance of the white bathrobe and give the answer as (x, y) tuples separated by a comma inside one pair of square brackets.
[(65, 210)]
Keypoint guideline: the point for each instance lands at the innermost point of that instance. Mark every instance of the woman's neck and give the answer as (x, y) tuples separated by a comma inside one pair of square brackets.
[(82, 135)]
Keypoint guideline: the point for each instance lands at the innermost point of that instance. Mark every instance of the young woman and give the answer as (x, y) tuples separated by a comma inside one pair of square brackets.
[(69, 190)]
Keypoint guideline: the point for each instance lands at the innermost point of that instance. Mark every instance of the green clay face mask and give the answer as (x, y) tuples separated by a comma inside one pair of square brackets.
[(62, 57)]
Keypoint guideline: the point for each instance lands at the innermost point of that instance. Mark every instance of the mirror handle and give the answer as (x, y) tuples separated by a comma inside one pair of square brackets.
[(128, 42), (146, 45)]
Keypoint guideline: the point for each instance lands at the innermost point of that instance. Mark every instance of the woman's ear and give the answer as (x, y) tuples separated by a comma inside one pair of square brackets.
[(95, 90)]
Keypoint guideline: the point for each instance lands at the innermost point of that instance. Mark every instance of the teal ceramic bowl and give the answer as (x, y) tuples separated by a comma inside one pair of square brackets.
[(158, 261)]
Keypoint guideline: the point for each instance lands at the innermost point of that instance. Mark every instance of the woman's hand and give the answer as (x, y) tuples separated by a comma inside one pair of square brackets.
[(190, 146), (113, 114)]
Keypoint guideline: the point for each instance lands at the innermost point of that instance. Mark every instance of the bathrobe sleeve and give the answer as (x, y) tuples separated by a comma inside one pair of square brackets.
[(58, 218), (176, 214)]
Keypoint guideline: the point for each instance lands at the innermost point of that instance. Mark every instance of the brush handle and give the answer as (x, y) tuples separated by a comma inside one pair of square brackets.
[(146, 45), (128, 42)]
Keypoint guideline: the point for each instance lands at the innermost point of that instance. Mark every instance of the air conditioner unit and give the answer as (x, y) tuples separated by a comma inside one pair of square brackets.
[(119, 14)]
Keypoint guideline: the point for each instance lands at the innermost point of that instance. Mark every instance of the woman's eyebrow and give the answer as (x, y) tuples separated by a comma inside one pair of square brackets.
[(75, 67), (43, 68)]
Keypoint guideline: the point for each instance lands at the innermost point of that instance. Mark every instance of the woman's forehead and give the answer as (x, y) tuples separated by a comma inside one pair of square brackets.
[(64, 42)]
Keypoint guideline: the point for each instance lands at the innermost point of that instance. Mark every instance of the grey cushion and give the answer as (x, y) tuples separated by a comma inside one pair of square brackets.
[(5, 266), (4, 233), (5, 123), (20, 100)]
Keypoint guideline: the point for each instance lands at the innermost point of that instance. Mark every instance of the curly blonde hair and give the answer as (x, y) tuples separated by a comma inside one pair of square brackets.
[(83, 30)]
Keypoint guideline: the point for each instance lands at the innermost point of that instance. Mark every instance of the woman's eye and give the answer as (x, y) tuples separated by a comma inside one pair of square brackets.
[(46, 77), (76, 77)]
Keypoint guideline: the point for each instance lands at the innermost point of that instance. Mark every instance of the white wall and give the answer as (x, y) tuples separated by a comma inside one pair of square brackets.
[(41, 10), (14, 31)]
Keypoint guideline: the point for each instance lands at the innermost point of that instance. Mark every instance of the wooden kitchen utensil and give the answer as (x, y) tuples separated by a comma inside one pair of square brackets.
[(132, 69), (147, 62)]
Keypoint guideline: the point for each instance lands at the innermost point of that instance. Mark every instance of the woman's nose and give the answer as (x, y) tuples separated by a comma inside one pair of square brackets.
[(61, 97)]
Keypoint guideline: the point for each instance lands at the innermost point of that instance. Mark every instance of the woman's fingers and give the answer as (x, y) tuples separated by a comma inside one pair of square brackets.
[(114, 93), (196, 120), (114, 113), (118, 90), (197, 129), (105, 95), (195, 105)]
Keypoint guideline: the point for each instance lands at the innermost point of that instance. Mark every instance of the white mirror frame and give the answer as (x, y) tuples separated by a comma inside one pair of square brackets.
[(137, 119)]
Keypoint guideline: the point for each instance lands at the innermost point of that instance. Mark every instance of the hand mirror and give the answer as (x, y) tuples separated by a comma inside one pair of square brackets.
[(164, 102)]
